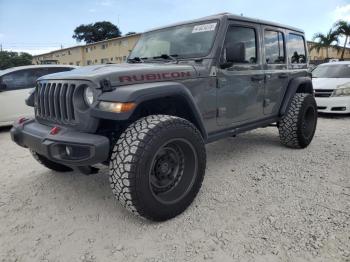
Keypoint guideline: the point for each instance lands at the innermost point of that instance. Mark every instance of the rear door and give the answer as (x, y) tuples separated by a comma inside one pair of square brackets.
[(275, 65), (240, 90)]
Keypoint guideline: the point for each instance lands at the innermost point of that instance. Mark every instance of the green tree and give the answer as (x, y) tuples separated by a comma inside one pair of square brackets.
[(98, 31), (11, 59), (325, 41), (343, 29)]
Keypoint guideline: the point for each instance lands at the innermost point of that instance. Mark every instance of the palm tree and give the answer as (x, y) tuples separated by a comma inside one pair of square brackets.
[(325, 41), (343, 29)]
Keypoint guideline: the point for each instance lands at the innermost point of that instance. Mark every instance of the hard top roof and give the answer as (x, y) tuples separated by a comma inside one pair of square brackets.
[(230, 16)]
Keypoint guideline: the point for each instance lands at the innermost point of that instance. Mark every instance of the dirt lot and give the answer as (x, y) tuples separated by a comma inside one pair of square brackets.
[(259, 202)]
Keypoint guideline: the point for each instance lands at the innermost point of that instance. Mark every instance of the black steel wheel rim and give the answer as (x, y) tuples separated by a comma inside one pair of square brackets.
[(173, 171)]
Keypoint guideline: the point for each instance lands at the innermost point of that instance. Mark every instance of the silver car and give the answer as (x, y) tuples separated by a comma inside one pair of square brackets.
[(16, 83)]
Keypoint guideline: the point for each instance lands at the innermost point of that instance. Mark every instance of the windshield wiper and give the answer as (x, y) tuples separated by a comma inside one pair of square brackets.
[(167, 57), (137, 59)]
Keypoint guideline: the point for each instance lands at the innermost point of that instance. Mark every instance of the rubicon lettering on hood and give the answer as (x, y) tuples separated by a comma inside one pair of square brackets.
[(153, 77)]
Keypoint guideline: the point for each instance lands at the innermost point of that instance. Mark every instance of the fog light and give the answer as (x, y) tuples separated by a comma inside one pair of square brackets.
[(69, 150)]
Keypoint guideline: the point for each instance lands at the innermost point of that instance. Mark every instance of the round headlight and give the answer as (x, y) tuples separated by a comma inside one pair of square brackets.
[(89, 95)]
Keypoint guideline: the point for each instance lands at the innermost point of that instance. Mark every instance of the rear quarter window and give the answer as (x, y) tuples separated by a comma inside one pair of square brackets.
[(296, 49)]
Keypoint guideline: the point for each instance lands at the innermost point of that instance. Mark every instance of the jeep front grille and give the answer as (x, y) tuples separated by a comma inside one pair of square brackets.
[(54, 102), (323, 92)]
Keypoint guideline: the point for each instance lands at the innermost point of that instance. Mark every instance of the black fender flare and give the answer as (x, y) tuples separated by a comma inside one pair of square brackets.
[(296, 85), (139, 93)]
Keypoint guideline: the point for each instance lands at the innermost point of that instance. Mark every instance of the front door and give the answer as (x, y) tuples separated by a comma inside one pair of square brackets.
[(240, 90)]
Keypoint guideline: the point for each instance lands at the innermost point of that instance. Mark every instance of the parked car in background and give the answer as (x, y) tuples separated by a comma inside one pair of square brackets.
[(16, 83), (331, 83)]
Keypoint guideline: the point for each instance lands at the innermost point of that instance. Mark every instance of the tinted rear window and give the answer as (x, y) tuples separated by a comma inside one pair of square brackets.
[(332, 71), (296, 49)]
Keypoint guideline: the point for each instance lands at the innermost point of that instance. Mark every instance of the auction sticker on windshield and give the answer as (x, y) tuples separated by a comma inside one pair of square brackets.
[(204, 28)]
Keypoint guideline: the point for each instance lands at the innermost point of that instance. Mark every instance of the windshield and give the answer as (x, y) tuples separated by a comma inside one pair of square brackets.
[(185, 41), (332, 71)]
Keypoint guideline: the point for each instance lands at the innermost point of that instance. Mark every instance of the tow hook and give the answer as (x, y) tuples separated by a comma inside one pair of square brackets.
[(86, 170)]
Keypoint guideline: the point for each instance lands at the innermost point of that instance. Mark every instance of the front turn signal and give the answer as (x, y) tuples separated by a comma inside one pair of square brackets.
[(116, 107)]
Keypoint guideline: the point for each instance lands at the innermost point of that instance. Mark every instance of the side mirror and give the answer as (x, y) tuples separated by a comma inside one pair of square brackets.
[(234, 54)]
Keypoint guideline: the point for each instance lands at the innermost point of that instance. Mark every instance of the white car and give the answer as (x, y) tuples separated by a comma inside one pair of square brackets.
[(331, 83), (15, 85)]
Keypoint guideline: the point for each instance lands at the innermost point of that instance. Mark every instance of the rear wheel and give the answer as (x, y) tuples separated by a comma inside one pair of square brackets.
[(50, 164), (157, 166), (297, 127)]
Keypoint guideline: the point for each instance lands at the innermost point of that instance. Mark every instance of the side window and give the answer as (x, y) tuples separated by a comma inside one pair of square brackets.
[(274, 47), (34, 74), (16, 80), (23, 79), (243, 38), (296, 49)]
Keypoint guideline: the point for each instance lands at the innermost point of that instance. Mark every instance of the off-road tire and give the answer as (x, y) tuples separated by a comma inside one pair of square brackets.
[(50, 164), (297, 127), (131, 165)]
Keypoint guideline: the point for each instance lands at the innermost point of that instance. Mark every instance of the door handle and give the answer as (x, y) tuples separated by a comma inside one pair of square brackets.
[(258, 78), (283, 75)]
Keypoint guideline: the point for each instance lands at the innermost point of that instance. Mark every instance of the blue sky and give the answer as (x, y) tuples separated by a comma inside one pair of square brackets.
[(37, 26)]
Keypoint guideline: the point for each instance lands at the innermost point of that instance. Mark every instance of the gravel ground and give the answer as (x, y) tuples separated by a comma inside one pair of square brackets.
[(259, 202)]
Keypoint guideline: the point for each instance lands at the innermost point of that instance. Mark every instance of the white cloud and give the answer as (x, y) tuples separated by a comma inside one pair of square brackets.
[(105, 3), (341, 13), (92, 10)]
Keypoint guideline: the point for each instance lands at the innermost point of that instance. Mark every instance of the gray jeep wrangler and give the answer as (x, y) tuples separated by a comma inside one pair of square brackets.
[(183, 86)]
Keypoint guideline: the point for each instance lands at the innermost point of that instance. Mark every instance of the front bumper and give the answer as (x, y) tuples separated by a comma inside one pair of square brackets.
[(67, 147), (338, 105)]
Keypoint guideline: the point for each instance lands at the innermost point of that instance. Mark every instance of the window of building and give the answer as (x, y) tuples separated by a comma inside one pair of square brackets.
[(124, 58), (69, 53), (104, 60), (296, 49), (243, 37), (111, 58), (124, 43), (89, 62), (95, 60), (77, 63), (104, 46), (274, 47)]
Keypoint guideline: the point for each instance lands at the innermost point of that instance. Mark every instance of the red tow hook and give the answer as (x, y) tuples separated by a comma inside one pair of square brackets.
[(55, 130), (21, 120)]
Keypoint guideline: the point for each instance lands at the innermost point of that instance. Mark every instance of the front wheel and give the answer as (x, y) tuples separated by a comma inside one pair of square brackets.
[(157, 166), (297, 127)]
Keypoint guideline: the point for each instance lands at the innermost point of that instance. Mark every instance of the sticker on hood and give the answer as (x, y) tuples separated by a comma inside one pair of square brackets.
[(204, 28)]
